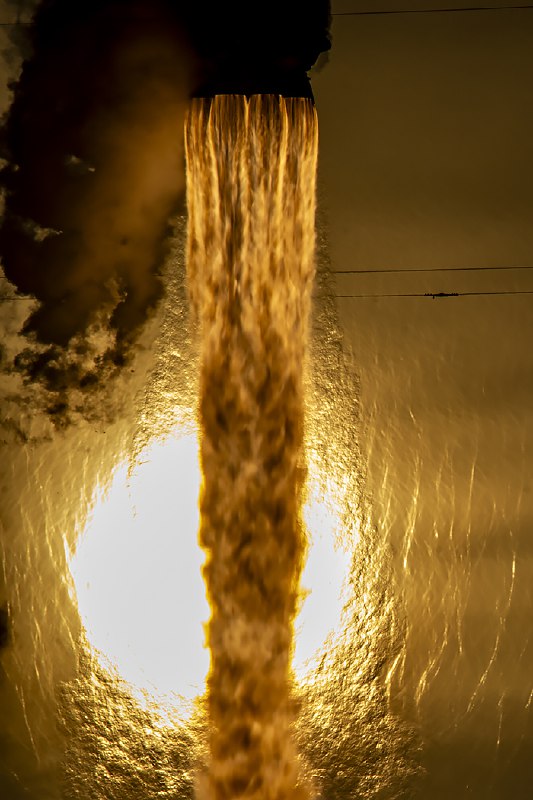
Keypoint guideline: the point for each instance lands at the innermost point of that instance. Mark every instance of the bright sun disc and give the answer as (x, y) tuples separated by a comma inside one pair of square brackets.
[(137, 574)]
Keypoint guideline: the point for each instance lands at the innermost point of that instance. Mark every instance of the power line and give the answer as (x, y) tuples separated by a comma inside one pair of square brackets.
[(436, 295), (383, 12), (425, 269), (409, 270), (432, 295), (429, 11)]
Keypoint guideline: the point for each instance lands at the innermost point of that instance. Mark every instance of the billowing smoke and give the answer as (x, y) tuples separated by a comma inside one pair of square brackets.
[(94, 166), (94, 148)]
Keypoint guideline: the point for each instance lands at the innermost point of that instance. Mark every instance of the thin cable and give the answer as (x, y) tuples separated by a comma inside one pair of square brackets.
[(436, 295), (432, 295), (379, 13), (428, 11), (425, 269), (409, 270)]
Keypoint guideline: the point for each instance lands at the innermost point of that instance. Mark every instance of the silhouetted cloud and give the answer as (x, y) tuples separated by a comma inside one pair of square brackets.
[(94, 164), (93, 141)]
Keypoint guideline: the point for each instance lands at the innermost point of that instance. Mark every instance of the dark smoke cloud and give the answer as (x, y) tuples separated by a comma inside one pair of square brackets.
[(94, 148)]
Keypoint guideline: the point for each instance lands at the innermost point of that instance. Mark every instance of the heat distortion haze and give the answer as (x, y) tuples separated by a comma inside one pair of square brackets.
[(251, 168)]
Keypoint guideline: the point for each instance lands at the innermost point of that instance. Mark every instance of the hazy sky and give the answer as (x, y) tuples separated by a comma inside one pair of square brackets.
[(426, 124), (426, 130)]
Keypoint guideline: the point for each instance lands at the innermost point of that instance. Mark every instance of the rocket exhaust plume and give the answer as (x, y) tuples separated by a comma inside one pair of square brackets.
[(251, 169)]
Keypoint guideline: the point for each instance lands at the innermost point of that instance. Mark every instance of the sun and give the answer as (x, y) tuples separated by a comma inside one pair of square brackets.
[(137, 575)]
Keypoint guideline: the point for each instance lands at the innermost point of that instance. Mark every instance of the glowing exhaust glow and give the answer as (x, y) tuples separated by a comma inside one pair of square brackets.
[(137, 575)]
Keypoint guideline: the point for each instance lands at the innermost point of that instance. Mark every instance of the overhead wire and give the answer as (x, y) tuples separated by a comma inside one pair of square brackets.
[(407, 270), (364, 295), (380, 12), (397, 271), (470, 9), (427, 270), (438, 295), (377, 12)]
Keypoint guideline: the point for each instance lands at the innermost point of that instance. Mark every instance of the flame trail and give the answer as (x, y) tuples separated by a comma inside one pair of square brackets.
[(251, 171)]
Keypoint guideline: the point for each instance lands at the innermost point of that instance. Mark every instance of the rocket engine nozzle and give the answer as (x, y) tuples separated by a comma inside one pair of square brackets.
[(258, 48)]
